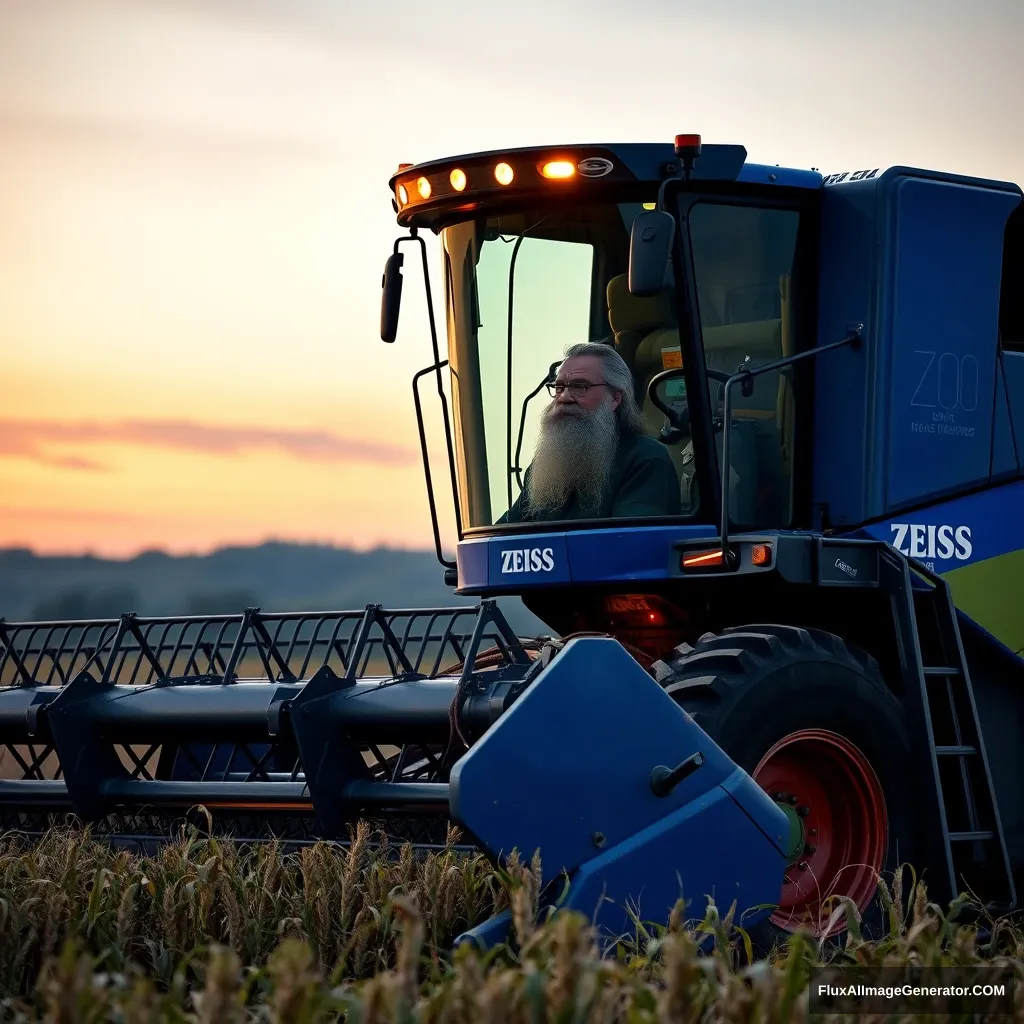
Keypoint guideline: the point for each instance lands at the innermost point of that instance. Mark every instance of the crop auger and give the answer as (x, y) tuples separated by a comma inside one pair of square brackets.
[(770, 689)]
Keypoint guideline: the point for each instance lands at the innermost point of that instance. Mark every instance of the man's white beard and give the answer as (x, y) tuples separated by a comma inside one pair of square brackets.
[(574, 454)]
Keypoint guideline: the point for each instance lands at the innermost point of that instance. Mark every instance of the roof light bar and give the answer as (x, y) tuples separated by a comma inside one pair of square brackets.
[(437, 182), (559, 169)]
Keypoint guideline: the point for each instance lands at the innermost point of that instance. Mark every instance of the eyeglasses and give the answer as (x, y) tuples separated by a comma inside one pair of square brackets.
[(576, 388)]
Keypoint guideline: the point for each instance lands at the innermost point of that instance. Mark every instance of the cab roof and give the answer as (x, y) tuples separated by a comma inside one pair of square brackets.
[(429, 193)]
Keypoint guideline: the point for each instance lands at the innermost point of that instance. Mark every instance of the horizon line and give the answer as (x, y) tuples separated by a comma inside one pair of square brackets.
[(390, 546)]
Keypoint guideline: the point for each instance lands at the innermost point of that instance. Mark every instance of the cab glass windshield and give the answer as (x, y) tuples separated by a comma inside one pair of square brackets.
[(522, 287)]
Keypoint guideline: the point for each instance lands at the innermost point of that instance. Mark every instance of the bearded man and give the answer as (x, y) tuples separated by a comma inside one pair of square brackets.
[(593, 459)]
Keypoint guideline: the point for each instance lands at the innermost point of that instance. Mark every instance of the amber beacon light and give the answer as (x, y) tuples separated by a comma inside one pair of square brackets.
[(558, 169)]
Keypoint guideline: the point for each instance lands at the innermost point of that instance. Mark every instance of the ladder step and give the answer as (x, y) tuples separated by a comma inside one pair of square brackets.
[(948, 711)]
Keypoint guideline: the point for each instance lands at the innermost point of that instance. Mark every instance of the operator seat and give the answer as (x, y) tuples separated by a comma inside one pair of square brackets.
[(646, 335), (636, 319)]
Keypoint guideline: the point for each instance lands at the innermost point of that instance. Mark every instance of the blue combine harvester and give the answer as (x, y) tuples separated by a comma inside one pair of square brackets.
[(786, 623)]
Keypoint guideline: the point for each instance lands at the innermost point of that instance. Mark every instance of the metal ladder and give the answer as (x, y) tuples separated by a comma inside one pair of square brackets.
[(967, 832)]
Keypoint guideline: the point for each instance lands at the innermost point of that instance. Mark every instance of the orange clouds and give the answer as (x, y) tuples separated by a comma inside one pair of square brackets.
[(46, 441)]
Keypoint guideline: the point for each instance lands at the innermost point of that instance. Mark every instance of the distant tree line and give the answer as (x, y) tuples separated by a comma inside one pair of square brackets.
[(111, 602)]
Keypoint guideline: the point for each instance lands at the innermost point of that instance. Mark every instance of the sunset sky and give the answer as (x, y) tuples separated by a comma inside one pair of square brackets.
[(194, 217)]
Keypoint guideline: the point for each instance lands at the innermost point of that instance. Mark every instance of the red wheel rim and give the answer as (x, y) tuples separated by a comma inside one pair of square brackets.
[(831, 785)]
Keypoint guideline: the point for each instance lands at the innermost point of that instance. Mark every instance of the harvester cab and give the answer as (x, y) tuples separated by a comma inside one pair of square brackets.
[(835, 367), (785, 622)]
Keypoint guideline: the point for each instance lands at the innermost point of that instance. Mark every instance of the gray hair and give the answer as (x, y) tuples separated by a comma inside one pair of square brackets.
[(617, 376)]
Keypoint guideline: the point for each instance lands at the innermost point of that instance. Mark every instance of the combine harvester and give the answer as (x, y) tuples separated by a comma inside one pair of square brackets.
[(781, 689)]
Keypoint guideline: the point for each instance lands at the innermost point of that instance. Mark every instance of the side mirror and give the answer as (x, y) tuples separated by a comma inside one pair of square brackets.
[(650, 245), (391, 297)]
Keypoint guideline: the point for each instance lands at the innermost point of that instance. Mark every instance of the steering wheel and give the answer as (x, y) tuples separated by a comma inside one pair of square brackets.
[(679, 420)]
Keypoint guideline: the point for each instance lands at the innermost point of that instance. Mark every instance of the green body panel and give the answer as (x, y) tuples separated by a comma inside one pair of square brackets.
[(992, 593)]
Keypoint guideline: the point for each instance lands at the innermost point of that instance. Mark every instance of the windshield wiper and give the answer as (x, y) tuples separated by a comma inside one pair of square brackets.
[(516, 468)]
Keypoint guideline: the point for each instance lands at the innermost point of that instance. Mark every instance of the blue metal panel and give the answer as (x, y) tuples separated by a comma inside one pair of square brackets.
[(1013, 368), (640, 553), (533, 559), (944, 248), (540, 559), (842, 410), (645, 160), (793, 177), (955, 533), (471, 562), (488, 933), (747, 794), (707, 848), (530, 560), (861, 254), (576, 793), (648, 161), (716, 163)]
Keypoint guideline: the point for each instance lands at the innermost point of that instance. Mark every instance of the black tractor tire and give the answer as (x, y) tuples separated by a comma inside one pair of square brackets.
[(748, 688)]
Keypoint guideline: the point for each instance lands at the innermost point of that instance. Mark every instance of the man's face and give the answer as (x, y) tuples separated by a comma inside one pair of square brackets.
[(578, 437), (589, 370)]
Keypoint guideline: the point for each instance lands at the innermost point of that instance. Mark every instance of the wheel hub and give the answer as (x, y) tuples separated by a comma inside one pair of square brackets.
[(794, 841)]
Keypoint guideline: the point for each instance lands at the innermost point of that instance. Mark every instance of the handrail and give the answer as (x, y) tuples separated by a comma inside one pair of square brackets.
[(853, 338)]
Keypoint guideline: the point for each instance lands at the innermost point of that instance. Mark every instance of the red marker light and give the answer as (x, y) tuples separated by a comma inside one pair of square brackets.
[(707, 558), (687, 149)]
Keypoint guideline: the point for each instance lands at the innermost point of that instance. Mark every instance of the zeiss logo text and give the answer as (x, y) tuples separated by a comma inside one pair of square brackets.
[(527, 560), (918, 541)]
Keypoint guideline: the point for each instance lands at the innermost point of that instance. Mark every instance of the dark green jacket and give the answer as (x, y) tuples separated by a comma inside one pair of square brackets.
[(643, 482)]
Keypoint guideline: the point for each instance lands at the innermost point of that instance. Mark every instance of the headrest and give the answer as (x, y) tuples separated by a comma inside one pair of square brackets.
[(637, 313), (761, 338), (658, 351)]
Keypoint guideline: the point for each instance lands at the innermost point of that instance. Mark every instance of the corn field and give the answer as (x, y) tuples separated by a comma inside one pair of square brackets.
[(207, 932)]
